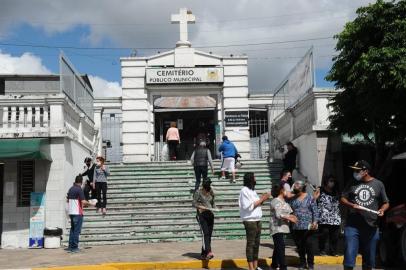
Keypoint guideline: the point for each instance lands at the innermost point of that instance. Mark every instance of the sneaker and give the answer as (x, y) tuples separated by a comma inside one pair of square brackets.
[(233, 181), (75, 250), (223, 178), (323, 253), (258, 268), (210, 256), (68, 249)]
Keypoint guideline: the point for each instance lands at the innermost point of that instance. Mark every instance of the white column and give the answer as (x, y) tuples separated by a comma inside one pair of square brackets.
[(45, 117), (98, 112), (5, 117), (29, 117), (13, 117), (80, 129), (56, 109), (20, 117), (37, 117)]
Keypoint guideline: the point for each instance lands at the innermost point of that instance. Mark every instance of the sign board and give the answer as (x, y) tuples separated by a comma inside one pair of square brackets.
[(184, 75), (37, 220), (236, 118), (180, 124)]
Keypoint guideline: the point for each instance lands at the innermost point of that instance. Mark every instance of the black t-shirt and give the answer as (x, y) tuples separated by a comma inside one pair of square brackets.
[(289, 162), (370, 195)]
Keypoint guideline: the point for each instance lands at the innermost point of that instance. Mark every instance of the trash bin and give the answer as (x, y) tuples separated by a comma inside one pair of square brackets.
[(52, 237)]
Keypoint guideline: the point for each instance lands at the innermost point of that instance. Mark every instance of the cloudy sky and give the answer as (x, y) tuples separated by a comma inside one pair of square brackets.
[(94, 34)]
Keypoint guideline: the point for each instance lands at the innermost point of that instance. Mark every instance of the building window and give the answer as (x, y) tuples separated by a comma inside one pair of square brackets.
[(26, 180)]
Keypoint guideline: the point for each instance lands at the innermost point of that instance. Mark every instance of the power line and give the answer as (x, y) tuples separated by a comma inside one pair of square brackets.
[(158, 48)]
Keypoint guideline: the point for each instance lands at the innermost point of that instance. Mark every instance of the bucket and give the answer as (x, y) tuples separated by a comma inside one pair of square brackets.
[(52, 237)]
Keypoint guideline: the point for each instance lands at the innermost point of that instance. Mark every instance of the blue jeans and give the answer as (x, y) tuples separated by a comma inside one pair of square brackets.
[(75, 228), (364, 238)]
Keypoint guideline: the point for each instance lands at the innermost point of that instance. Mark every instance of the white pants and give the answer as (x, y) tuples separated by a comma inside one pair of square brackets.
[(228, 163)]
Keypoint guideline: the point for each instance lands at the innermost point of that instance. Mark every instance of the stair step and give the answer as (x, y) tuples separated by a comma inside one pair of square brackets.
[(151, 202)]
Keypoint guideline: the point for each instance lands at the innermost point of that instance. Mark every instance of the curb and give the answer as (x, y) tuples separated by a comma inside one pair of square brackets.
[(196, 264)]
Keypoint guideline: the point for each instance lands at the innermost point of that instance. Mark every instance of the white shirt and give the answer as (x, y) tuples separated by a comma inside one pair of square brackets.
[(246, 202)]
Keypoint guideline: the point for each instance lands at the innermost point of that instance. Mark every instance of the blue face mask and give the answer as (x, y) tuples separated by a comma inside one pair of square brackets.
[(357, 176)]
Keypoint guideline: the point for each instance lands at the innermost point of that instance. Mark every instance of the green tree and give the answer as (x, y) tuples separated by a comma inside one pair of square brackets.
[(371, 69)]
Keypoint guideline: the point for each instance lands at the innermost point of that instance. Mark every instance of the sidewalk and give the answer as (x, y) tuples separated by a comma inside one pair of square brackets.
[(228, 254)]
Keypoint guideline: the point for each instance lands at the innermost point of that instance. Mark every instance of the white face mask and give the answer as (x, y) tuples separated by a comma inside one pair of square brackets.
[(357, 176)]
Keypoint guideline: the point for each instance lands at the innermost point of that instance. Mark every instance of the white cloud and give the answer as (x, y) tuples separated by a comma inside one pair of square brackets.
[(138, 24), (27, 63), (103, 88)]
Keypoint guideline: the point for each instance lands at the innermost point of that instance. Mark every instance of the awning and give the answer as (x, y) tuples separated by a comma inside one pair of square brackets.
[(35, 148)]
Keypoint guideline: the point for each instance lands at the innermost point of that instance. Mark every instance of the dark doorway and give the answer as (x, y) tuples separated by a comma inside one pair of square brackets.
[(195, 125), (1, 198)]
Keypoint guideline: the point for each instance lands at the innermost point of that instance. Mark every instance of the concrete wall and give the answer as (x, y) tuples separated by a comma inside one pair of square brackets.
[(16, 219), (31, 86), (54, 178)]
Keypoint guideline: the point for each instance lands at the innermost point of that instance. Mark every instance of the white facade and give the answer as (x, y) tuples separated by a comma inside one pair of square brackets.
[(307, 126), (138, 97), (71, 138)]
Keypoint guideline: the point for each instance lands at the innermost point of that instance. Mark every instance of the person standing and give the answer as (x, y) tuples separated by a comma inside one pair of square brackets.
[(173, 139), (286, 179), (251, 214), (101, 171), (89, 172), (328, 202), (305, 209), (76, 201), (281, 215), (228, 151), (203, 200), (289, 159), (362, 196), (200, 157)]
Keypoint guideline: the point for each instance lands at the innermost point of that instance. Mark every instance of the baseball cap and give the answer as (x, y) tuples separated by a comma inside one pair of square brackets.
[(361, 165)]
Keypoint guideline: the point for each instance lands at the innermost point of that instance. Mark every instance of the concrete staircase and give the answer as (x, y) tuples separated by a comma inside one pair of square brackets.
[(151, 202)]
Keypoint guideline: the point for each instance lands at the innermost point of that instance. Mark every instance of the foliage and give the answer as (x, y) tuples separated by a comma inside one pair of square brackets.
[(371, 68)]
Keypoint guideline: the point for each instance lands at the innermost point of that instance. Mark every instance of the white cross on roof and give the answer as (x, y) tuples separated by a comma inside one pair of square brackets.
[(183, 18)]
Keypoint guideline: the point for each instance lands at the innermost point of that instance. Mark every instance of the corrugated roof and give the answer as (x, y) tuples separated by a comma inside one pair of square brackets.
[(185, 102)]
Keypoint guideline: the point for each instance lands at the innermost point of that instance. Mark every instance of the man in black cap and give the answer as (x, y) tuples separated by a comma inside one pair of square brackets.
[(367, 200)]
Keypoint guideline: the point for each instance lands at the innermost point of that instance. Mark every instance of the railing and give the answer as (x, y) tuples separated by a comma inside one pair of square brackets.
[(44, 116)]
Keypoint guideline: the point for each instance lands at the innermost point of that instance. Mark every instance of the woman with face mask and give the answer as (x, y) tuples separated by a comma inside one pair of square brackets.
[(328, 202), (251, 214), (101, 172), (305, 209), (281, 215), (203, 200)]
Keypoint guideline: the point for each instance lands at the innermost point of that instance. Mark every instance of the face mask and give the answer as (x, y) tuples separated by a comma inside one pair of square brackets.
[(357, 176)]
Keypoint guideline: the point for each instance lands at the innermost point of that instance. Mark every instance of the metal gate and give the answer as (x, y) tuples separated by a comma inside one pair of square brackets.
[(259, 142), (111, 136)]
